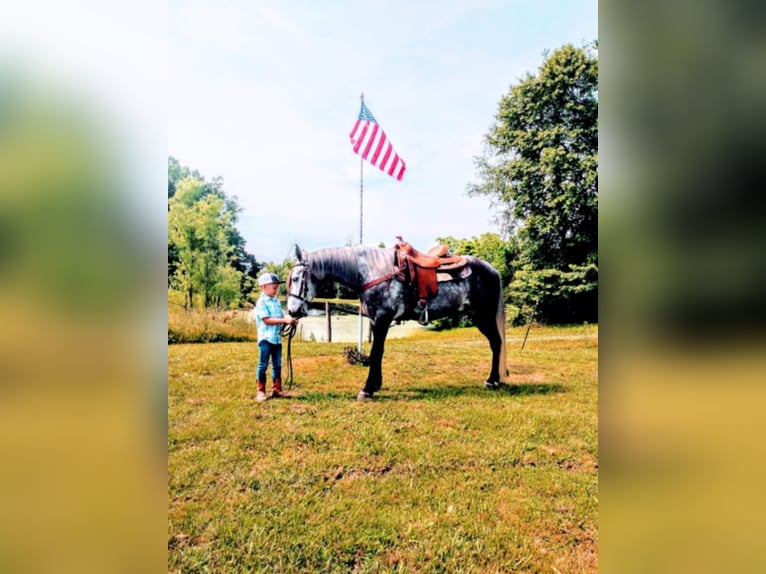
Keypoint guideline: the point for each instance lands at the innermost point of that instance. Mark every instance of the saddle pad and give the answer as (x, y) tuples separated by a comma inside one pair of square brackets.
[(442, 277)]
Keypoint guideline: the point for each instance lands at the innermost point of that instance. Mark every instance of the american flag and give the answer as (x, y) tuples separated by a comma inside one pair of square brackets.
[(370, 141)]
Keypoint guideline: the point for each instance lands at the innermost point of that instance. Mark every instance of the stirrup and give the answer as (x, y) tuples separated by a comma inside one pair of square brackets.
[(423, 320)]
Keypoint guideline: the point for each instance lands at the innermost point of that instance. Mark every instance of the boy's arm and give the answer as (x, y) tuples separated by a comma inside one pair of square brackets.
[(279, 320), (262, 310)]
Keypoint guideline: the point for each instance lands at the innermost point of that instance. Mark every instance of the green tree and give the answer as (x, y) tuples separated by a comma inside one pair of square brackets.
[(244, 263), (540, 169), (491, 248), (488, 246), (198, 225), (178, 172)]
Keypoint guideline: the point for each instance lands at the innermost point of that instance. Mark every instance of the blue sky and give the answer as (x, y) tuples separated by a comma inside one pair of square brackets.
[(265, 93)]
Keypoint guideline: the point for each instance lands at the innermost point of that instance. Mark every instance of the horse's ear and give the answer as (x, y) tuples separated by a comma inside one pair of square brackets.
[(299, 253)]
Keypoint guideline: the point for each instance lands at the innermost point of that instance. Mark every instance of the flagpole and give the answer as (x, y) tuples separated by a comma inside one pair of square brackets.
[(361, 221)]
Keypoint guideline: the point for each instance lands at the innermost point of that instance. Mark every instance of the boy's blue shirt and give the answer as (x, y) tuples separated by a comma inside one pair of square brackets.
[(268, 306)]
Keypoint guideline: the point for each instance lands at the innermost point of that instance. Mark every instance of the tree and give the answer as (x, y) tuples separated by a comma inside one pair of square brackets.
[(491, 248), (540, 169), (178, 172), (488, 246), (244, 265), (198, 225)]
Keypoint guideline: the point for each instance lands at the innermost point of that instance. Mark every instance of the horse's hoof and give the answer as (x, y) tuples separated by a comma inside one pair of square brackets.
[(363, 396), (492, 386)]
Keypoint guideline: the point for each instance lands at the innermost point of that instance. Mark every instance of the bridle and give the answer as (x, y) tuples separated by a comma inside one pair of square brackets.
[(301, 295)]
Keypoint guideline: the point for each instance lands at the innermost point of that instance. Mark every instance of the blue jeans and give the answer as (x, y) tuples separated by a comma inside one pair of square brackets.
[(268, 350)]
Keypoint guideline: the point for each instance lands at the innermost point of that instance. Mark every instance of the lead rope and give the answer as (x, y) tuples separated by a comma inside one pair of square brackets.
[(289, 332)]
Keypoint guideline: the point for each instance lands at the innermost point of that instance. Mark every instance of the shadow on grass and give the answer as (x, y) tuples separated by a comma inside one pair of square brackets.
[(436, 393), (431, 393)]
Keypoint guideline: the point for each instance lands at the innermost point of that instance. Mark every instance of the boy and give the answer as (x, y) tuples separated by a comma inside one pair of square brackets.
[(269, 320)]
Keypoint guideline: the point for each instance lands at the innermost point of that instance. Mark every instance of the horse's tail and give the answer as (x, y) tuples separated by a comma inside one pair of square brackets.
[(500, 318)]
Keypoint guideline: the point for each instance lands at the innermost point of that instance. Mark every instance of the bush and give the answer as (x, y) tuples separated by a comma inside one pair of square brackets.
[(457, 320), (452, 322), (208, 326)]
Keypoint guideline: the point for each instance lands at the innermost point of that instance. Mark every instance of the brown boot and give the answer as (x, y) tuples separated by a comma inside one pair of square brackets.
[(261, 396), (276, 389)]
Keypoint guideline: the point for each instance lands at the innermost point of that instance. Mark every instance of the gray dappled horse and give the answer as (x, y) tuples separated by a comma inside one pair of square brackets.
[(370, 271)]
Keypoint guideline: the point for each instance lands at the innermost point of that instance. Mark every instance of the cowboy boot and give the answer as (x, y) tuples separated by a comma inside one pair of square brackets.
[(276, 389), (261, 396)]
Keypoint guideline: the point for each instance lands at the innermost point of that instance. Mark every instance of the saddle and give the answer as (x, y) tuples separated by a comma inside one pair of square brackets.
[(424, 271)]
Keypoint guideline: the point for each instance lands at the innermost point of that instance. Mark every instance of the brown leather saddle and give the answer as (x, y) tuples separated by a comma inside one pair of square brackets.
[(424, 271)]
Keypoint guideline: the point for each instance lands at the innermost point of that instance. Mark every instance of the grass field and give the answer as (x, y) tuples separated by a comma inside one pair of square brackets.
[(435, 475)]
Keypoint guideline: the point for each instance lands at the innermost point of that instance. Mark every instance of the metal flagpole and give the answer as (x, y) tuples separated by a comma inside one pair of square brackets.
[(361, 219)]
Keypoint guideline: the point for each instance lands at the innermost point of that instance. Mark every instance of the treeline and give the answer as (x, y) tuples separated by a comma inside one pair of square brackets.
[(207, 259), (539, 168), (540, 171)]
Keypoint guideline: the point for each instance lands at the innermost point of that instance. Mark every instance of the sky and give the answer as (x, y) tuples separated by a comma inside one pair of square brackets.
[(264, 95)]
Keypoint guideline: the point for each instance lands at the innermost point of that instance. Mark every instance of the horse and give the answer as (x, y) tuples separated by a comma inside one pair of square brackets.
[(385, 297)]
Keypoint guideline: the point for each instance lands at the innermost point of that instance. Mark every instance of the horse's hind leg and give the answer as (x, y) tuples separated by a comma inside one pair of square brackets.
[(488, 327), (375, 374)]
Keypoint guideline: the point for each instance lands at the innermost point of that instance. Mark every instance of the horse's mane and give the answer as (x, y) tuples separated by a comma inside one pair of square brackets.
[(353, 264)]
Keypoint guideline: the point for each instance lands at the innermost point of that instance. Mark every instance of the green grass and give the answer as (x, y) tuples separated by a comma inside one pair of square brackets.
[(435, 475)]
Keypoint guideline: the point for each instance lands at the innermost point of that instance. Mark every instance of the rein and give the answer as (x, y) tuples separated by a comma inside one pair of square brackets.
[(393, 275), (377, 281), (289, 332)]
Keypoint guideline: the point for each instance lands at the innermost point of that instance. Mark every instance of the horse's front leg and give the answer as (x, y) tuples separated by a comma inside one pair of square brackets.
[(375, 374)]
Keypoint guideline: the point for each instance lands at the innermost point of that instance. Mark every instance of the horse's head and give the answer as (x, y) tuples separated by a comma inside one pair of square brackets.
[(300, 287)]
